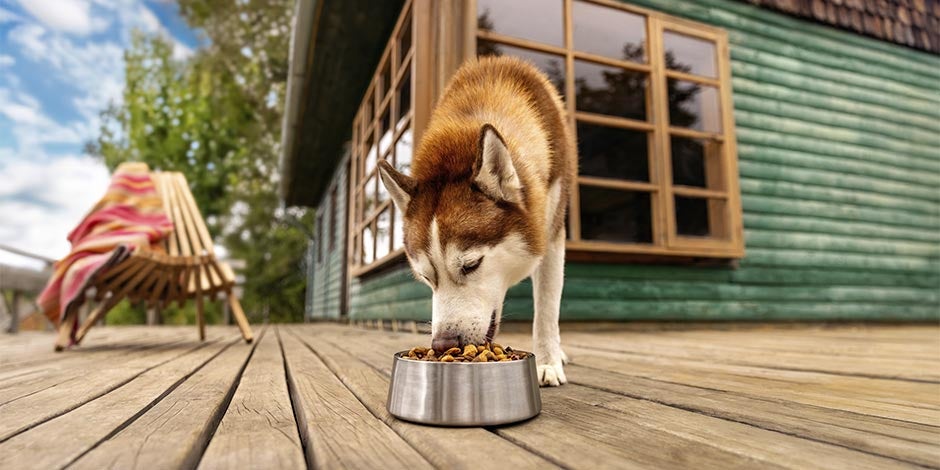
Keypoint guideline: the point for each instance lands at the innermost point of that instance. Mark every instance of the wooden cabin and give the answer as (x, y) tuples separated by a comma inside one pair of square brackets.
[(759, 160)]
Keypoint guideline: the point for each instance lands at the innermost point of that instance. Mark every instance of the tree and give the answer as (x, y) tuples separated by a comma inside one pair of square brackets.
[(216, 117)]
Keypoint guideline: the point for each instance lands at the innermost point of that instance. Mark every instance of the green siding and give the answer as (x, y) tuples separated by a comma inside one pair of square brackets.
[(326, 276), (839, 149)]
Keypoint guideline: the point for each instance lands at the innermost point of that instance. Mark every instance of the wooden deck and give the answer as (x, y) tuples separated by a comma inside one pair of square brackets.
[(642, 396)]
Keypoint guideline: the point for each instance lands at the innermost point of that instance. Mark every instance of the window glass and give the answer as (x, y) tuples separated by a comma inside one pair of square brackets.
[(688, 161), (385, 80), (693, 105), (404, 98), (689, 55), (692, 216), (369, 197), (383, 227), (611, 152), (403, 152), (398, 229), (553, 65), (404, 41), (609, 32), (385, 141), (535, 20), (371, 154), (368, 245), (610, 90), (615, 216)]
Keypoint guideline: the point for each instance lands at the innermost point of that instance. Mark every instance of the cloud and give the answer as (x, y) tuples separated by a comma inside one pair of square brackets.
[(6, 61), (69, 16), (44, 200), (7, 16)]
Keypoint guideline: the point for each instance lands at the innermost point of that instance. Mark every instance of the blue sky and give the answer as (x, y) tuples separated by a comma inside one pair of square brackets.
[(60, 65)]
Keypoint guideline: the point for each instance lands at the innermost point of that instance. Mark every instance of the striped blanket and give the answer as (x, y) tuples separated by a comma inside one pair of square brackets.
[(129, 217)]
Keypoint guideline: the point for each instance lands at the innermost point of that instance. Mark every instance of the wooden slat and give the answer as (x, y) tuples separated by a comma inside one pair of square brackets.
[(371, 388), (337, 430), (176, 429), (200, 224), (171, 243), (179, 223), (258, 429), (93, 381), (99, 418)]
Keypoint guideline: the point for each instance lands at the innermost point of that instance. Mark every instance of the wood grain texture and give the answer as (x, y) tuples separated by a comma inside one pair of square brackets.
[(371, 388), (101, 417), (258, 429), (336, 428), (176, 430)]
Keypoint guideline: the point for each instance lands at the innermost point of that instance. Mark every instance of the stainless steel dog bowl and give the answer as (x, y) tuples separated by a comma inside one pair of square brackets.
[(464, 393)]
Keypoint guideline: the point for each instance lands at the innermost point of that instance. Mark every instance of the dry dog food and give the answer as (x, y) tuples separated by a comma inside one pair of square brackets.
[(489, 352)]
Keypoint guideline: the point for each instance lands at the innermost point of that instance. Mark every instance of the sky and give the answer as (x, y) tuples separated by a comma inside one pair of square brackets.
[(60, 65)]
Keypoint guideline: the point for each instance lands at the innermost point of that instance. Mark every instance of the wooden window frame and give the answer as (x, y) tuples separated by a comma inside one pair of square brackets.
[(666, 242)]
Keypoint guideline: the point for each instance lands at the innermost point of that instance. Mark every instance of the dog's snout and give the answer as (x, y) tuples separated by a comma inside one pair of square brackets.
[(445, 341)]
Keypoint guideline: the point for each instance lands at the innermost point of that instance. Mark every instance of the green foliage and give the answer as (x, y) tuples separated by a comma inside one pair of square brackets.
[(216, 117)]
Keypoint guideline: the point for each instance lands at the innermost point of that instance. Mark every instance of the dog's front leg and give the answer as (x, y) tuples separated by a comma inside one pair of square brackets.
[(547, 281)]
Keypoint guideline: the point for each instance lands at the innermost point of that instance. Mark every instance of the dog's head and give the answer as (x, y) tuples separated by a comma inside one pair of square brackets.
[(466, 229)]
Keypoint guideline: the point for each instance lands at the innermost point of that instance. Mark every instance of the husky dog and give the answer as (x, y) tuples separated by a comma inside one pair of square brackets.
[(484, 207)]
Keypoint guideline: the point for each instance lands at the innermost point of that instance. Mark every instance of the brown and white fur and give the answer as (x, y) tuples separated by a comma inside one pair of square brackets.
[(485, 204)]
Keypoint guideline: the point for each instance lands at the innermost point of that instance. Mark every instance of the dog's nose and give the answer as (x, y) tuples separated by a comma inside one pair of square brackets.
[(445, 341)]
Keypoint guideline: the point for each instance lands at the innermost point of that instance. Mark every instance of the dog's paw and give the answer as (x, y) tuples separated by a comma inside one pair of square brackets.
[(552, 375)]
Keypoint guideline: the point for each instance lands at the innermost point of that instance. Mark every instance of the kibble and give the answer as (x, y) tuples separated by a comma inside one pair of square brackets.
[(487, 352)]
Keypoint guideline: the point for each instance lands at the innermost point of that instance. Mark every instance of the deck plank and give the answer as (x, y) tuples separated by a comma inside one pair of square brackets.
[(676, 346), (436, 444), (336, 428), (55, 443), (679, 437), (258, 429), (176, 430), (87, 383)]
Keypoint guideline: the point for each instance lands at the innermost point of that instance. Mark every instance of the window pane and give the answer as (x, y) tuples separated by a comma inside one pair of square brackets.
[(552, 65), (609, 32), (692, 216), (615, 216), (515, 18), (398, 229), (403, 152), (368, 107), (610, 90), (404, 97), (689, 55), (694, 106), (368, 246), (369, 202), (386, 80), (385, 131), (382, 191), (610, 152), (371, 154), (382, 234), (404, 40)]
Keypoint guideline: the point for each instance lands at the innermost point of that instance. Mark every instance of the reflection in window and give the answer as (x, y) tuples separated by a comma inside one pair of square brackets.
[(692, 216), (398, 227), (382, 234), (371, 153), (536, 20), (690, 55), (612, 33), (610, 152), (403, 152), (386, 80), (688, 161), (385, 129), (404, 98), (368, 245), (693, 106), (369, 203), (404, 41), (609, 90), (615, 216), (552, 65)]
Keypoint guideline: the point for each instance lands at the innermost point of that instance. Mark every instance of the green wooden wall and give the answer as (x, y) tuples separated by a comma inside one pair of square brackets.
[(839, 148), (325, 278)]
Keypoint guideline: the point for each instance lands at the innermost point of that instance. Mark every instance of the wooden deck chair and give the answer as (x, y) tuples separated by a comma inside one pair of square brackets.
[(186, 269)]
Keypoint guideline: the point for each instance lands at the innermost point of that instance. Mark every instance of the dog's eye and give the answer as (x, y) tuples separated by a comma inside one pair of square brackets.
[(471, 266)]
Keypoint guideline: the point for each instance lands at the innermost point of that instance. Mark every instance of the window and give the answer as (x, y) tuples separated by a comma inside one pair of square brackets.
[(649, 97), (319, 239), (383, 128)]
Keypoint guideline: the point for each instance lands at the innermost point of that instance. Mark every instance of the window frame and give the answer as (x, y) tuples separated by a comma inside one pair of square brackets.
[(666, 241)]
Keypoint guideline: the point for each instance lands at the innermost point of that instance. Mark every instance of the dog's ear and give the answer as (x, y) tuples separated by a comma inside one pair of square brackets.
[(400, 186), (493, 171)]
